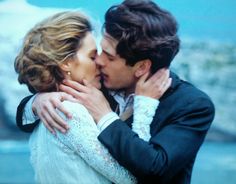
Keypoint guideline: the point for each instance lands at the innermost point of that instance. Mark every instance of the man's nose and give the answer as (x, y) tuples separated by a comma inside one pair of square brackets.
[(100, 60)]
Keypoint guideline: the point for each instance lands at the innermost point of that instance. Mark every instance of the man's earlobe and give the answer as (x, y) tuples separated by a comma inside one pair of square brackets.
[(142, 67)]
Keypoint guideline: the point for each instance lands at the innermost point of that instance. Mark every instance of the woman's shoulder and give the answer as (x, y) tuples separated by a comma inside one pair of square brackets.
[(75, 108), (78, 111)]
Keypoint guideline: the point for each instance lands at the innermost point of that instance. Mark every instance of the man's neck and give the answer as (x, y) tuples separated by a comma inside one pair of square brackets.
[(123, 92), (124, 102)]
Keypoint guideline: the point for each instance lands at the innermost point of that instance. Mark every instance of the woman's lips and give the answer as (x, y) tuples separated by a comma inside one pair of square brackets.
[(98, 76)]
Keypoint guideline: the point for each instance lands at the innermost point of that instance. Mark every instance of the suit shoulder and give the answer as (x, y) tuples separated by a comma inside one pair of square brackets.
[(185, 91), (192, 94)]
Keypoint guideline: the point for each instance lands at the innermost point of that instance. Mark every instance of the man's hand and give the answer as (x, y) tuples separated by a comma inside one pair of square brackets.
[(44, 106), (155, 86), (89, 96)]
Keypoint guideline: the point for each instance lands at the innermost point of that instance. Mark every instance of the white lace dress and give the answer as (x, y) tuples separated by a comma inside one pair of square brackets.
[(78, 156)]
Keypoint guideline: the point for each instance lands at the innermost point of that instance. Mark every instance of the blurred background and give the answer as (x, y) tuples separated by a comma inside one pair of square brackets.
[(207, 59)]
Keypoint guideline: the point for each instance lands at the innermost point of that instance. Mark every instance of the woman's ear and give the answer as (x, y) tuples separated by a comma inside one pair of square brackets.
[(66, 65), (142, 67)]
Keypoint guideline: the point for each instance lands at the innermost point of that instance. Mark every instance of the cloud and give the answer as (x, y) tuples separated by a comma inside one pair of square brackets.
[(18, 17)]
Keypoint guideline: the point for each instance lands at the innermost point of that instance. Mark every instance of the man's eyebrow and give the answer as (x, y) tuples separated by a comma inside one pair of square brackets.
[(110, 55)]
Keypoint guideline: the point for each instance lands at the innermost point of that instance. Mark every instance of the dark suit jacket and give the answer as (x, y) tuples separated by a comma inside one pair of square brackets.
[(181, 122)]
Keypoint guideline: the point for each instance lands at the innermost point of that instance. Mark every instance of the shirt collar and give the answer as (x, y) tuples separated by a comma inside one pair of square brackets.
[(123, 101)]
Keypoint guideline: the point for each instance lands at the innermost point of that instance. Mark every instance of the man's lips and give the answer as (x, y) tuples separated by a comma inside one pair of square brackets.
[(104, 76)]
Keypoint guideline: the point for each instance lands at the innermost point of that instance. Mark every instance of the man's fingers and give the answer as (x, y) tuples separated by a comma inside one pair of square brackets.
[(55, 116), (59, 120), (86, 83), (58, 104), (75, 85), (53, 124), (165, 76), (50, 128), (71, 91), (159, 75), (167, 85), (64, 111), (65, 96)]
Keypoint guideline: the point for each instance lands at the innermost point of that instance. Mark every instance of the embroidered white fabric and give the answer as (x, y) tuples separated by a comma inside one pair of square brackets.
[(78, 156), (144, 110)]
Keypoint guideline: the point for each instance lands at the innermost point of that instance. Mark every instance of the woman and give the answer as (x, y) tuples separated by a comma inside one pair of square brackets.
[(62, 47)]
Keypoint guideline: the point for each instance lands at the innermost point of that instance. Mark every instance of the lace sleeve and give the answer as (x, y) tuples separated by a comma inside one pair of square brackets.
[(144, 110), (82, 138)]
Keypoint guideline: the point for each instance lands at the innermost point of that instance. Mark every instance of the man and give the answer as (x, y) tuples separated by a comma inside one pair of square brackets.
[(139, 34)]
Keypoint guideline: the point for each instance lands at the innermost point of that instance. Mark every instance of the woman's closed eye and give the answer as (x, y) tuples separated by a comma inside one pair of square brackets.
[(93, 55)]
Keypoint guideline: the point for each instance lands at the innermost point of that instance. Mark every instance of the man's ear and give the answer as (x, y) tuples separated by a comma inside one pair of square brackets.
[(142, 67)]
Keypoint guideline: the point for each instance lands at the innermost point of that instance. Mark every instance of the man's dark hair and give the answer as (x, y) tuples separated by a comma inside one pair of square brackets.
[(143, 31)]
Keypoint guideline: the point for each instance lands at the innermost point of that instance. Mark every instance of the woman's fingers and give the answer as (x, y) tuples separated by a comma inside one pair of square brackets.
[(143, 78)]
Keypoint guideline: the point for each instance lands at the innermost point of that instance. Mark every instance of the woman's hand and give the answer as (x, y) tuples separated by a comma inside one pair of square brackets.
[(155, 86)]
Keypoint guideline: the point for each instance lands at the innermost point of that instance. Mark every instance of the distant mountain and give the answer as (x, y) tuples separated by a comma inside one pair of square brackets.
[(211, 66)]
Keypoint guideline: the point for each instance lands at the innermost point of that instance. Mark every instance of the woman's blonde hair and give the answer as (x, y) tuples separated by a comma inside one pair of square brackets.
[(48, 44)]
